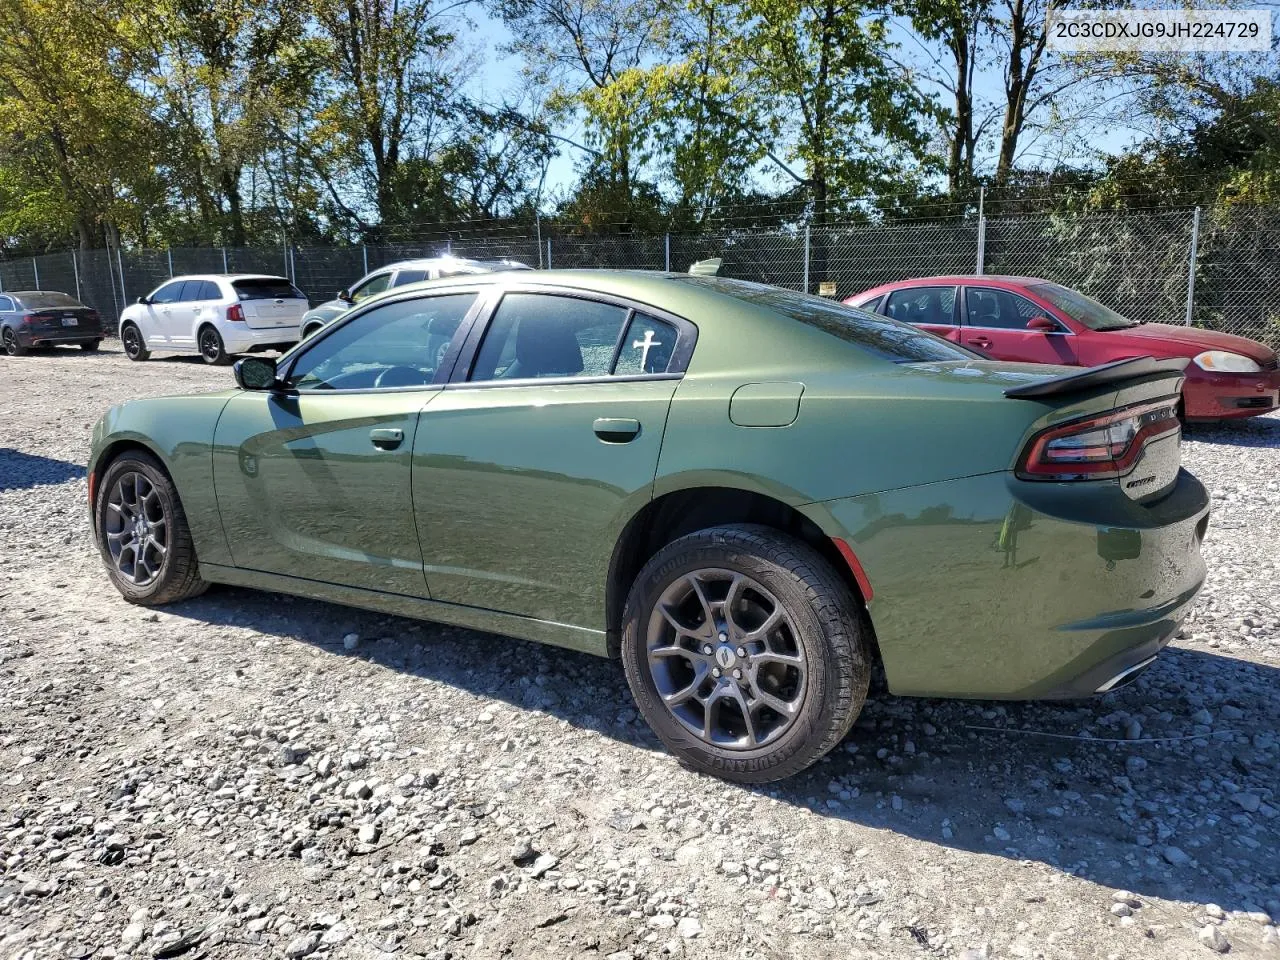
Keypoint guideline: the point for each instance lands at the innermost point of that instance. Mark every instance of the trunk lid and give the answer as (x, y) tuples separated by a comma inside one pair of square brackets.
[(68, 320)]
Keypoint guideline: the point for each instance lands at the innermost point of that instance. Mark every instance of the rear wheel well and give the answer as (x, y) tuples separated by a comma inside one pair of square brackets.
[(670, 517)]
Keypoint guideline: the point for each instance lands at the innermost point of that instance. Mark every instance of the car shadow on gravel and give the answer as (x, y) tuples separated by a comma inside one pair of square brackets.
[(1166, 810), (19, 470)]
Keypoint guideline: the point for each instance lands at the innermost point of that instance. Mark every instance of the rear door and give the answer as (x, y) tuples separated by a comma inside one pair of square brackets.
[(313, 481), (526, 466), (930, 308), (270, 302), (995, 322)]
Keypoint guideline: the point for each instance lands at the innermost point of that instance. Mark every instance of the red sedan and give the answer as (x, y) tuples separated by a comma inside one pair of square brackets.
[(1023, 318)]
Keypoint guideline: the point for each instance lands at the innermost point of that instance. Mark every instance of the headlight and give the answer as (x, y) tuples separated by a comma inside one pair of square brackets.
[(1219, 361)]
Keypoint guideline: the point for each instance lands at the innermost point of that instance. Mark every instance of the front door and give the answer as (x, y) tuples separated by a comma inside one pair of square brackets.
[(157, 325), (995, 322), (313, 480), (525, 474)]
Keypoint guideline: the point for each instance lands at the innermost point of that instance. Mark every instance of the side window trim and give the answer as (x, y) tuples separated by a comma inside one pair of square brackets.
[(686, 331)]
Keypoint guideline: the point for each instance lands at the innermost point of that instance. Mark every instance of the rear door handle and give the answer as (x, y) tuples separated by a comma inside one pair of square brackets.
[(612, 430), (386, 438)]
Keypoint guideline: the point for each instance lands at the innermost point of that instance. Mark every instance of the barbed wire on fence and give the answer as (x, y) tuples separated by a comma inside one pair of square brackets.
[(1219, 270)]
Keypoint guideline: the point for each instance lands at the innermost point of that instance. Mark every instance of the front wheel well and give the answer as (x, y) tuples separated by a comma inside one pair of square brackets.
[(110, 454), (676, 514)]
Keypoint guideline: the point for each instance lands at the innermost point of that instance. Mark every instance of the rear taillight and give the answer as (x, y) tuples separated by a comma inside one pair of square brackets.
[(38, 318), (1099, 447), (235, 312), (95, 317)]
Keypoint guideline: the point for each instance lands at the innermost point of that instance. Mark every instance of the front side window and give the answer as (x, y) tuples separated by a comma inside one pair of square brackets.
[(371, 286), (398, 344), (999, 309), (543, 335), (934, 305), (169, 293)]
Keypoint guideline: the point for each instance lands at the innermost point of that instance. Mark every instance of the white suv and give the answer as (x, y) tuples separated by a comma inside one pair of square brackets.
[(215, 315)]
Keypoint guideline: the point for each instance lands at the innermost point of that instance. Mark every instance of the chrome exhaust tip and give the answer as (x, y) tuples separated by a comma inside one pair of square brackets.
[(1126, 675)]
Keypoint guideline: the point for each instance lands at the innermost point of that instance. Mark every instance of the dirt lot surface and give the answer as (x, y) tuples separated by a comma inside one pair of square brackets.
[(246, 775)]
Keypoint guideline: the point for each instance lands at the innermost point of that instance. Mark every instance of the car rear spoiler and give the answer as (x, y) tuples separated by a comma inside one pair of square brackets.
[(1114, 372)]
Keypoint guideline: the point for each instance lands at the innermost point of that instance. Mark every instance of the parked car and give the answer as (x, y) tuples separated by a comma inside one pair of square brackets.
[(216, 315), (45, 318), (1026, 319), (748, 494), (398, 275)]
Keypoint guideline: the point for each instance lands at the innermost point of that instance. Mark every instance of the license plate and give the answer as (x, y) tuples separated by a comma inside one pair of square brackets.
[(70, 322)]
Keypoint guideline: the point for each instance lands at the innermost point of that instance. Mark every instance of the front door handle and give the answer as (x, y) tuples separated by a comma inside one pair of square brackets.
[(982, 342), (386, 438), (612, 430)]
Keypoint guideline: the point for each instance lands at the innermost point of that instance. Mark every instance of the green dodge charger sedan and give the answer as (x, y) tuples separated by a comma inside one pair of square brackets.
[(753, 497)]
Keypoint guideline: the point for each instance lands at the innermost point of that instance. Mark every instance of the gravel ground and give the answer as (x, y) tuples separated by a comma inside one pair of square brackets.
[(246, 775)]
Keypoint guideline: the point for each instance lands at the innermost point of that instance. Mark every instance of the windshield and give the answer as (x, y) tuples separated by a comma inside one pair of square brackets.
[(1080, 308), (877, 335), (43, 301), (267, 288)]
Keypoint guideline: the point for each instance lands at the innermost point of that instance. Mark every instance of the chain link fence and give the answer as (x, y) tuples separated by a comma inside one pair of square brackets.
[(1219, 270)]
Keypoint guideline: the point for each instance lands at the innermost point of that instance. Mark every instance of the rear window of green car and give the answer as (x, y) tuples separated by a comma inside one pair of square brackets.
[(879, 336)]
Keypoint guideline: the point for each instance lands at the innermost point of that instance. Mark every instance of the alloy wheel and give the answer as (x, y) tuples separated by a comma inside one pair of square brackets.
[(10, 342), (726, 659), (210, 345), (132, 341), (136, 529)]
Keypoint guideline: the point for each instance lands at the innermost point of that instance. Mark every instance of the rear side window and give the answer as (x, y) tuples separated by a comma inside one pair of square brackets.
[(409, 276), (934, 305), (195, 291), (48, 301), (541, 335), (647, 347), (267, 288), (879, 336)]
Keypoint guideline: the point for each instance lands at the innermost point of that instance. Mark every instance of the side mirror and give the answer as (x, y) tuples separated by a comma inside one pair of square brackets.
[(1043, 324), (345, 295), (255, 373), (143, 301)]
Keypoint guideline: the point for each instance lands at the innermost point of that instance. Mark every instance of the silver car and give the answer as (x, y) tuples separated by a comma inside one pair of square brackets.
[(397, 275)]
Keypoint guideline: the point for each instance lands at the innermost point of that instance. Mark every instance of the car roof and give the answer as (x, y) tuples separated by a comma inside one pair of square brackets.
[(450, 259), (33, 293), (231, 277), (956, 278)]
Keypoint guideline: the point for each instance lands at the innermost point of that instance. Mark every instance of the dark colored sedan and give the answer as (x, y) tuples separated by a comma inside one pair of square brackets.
[(44, 318)]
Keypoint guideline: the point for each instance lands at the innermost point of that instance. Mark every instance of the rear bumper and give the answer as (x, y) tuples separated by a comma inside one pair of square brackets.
[(1226, 396), (992, 587), (54, 336), (248, 339)]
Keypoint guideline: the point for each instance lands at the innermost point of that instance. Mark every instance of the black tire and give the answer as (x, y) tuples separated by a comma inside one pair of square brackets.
[(88, 346), (209, 340), (9, 341), (177, 572), (828, 632), (135, 347)]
